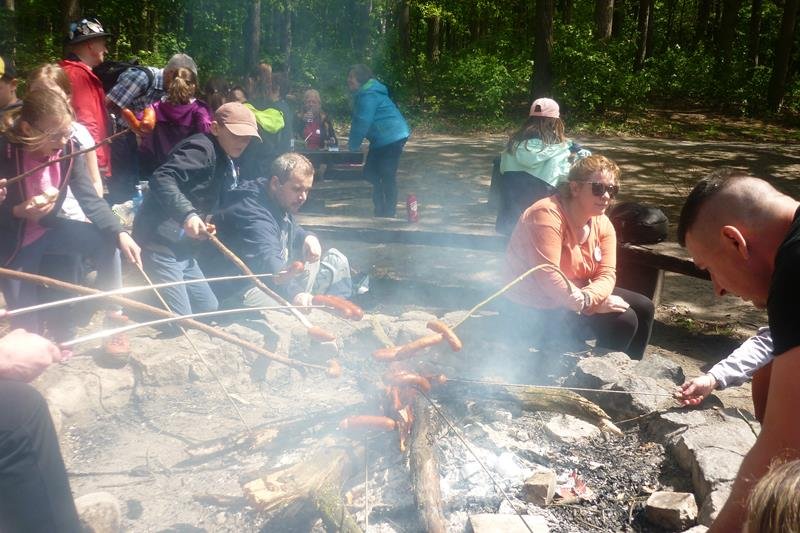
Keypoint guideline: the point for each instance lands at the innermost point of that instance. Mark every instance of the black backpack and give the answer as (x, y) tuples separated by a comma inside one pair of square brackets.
[(110, 71), (637, 223)]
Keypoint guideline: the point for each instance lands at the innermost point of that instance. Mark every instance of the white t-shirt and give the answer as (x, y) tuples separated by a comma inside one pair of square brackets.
[(70, 209)]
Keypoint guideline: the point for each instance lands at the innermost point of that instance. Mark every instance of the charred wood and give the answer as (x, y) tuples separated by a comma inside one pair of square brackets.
[(425, 469)]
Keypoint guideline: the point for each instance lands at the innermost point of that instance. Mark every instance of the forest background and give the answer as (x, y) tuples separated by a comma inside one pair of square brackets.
[(464, 64)]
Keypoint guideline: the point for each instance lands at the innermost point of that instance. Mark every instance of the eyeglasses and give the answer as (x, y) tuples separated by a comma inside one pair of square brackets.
[(85, 27), (599, 189)]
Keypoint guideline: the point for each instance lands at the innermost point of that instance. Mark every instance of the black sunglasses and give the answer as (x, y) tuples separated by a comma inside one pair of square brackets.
[(599, 189)]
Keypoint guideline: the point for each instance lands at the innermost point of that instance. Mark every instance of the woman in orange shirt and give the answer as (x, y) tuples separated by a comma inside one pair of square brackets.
[(571, 231)]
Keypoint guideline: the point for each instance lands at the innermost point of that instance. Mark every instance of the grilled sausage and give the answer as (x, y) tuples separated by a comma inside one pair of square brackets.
[(386, 354), (407, 379), (317, 333), (334, 302), (131, 120), (408, 350), (148, 122), (449, 335), (368, 422)]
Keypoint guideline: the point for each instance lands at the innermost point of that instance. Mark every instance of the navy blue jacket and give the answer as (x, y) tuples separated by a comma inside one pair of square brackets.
[(259, 231)]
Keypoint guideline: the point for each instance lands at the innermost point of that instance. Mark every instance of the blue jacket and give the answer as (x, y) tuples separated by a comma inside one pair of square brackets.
[(375, 117)]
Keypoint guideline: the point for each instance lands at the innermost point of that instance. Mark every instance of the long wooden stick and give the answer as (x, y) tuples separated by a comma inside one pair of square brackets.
[(508, 286), (133, 304), (37, 168), (233, 258)]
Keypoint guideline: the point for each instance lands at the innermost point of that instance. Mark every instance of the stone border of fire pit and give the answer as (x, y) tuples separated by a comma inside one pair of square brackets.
[(708, 442)]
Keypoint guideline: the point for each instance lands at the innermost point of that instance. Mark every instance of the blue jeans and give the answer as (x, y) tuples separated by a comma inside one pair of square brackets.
[(380, 169), (67, 237), (182, 299)]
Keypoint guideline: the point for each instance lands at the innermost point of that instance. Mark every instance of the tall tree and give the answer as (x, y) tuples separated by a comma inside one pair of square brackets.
[(727, 33), (754, 33), (434, 34), (72, 10), (603, 19), (644, 26), (701, 23), (783, 52), (253, 48), (618, 24), (542, 79), (404, 28), (565, 6)]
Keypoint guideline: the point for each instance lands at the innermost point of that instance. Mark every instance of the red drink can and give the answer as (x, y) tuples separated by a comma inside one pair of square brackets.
[(411, 208)]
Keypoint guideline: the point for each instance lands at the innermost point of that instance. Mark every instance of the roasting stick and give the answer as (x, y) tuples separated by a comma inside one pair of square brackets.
[(102, 334), (8, 313), (35, 169), (133, 304), (197, 351), (556, 387), (466, 444), (233, 258), (508, 286)]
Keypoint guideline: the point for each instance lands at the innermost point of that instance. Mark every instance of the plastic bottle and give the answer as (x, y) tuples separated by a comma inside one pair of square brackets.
[(138, 196), (412, 209)]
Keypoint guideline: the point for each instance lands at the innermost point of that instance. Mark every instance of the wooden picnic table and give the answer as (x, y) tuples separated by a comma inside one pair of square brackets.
[(337, 162)]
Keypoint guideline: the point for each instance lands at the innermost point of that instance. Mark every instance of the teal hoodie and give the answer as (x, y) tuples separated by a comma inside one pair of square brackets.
[(375, 117)]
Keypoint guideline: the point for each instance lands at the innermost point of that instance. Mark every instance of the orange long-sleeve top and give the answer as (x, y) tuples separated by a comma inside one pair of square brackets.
[(544, 235)]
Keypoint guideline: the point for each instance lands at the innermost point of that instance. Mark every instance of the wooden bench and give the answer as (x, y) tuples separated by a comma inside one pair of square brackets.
[(641, 268)]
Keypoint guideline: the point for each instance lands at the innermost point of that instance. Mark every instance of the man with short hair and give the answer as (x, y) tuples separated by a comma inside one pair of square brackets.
[(8, 86), (183, 191), (746, 234), (86, 45), (257, 222)]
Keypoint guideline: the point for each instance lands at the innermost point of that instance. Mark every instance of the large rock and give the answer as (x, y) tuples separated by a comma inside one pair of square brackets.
[(671, 510), (568, 429), (99, 512), (85, 392), (616, 371), (540, 488), (507, 523)]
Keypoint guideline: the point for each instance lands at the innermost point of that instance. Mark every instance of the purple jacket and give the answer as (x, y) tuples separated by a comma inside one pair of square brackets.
[(174, 123)]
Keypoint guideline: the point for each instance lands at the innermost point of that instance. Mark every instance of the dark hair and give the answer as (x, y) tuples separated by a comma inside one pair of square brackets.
[(182, 86), (546, 129), (361, 72), (706, 188), (215, 92), (280, 83)]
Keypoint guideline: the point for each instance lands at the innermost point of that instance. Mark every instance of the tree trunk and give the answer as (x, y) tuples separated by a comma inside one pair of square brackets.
[(727, 32), (286, 45), (754, 34), (643, 24), (434, 29), (701, 25), (566, 11), (253, 43), (618, 24), (72, 10), (9, 39), (542, 79), (404, 29), (783, 54), (603, 19)]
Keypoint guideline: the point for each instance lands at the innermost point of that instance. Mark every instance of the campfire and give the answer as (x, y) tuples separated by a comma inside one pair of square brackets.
[(399, 424)]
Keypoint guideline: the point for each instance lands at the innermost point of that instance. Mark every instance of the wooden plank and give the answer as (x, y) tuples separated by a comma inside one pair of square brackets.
[(663, 256)]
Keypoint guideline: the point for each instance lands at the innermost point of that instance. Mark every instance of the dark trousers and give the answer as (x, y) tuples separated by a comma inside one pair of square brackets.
[(68, 236), (34, 490), (627, 332), (125, 166), (380, 169)]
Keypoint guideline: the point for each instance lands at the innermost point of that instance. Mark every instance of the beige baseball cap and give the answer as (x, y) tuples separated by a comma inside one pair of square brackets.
[(238, 119)]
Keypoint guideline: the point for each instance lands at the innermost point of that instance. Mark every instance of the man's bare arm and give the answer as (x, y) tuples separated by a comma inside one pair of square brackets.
[(779, 439)]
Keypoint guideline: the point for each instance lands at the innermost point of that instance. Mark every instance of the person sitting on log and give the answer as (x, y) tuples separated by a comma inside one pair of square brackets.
[(257, 223), (183, 191), (32, 221), (570, 231), (536, 158), (751, 360)]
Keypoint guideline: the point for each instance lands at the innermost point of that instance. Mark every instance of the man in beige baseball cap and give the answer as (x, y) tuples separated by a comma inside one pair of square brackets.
[(234, 125)]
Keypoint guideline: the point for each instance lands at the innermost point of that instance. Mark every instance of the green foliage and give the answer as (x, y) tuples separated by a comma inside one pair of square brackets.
[(594, 77)]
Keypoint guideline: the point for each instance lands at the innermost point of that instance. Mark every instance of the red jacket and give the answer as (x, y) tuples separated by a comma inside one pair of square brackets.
[(88, 101)]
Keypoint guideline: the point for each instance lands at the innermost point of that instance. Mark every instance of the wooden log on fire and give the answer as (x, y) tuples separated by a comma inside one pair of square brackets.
[(425, 469), (533, 398), (317, 479), (335, 516)]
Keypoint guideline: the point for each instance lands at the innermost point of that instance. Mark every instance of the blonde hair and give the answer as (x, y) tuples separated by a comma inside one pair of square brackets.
[(774, 503), (53, 75), (549, 130), (584, 168), (182, 86), (37, 105)]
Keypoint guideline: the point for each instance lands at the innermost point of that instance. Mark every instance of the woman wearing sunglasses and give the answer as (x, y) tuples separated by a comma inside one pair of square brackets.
[(571, 231)]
